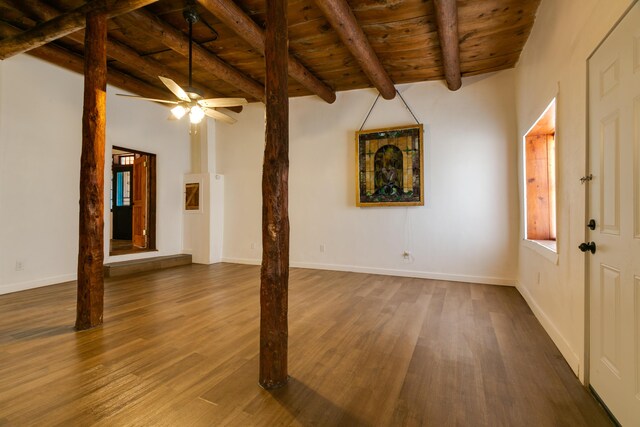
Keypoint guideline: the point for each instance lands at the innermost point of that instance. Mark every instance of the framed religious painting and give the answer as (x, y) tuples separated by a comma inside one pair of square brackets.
[(389, 167)]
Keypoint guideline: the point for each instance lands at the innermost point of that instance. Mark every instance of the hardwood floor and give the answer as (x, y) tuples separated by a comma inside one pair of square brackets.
[(180, 347)]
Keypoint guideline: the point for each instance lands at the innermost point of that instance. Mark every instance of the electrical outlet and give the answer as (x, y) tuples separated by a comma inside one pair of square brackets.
[(322, 248), (19, 265)]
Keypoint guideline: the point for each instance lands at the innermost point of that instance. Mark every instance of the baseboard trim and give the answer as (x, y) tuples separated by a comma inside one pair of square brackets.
[(23, 286), (388, 272), (556, 336)]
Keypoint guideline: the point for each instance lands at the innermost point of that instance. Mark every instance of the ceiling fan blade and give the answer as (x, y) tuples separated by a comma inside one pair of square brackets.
[(222, 102), (175, 88), (147, 99), (218, 115)]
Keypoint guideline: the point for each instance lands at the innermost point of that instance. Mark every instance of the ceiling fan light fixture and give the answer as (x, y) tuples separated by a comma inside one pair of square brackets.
[(178, 111), (196, 114)]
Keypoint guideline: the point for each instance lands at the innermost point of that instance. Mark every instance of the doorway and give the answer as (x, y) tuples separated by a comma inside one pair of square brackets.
[(133, 201), (613, 246)]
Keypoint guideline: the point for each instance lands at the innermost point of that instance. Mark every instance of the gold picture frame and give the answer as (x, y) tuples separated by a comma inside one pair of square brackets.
[(390, 167)]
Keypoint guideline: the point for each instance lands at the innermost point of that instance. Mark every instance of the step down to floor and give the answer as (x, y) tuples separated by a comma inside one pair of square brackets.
[(121, 268)]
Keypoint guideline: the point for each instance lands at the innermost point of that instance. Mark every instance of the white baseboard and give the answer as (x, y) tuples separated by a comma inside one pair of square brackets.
[(387, 272), (22, 286), (556, 336)]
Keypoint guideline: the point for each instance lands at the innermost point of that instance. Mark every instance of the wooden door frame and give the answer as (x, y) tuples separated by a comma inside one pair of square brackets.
[(151, 193)]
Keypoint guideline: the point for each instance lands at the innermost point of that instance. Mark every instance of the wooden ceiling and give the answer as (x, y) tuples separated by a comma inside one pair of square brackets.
[(401, 36)]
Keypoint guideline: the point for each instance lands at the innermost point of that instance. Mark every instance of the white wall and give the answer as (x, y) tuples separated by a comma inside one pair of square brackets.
[(554, 61), (467, 229), (40, 144)]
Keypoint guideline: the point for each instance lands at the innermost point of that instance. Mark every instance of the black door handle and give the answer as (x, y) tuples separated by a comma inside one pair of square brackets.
[(592, 224), (588, 246)]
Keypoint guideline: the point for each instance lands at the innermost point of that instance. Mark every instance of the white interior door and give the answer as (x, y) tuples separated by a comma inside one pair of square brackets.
[(614, 204)]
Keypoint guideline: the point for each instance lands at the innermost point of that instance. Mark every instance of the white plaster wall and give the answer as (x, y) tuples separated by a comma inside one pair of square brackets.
[(467, 229), (40, 144), (554, 61)]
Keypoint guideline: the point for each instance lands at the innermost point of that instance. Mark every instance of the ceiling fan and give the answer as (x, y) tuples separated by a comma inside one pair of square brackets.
[(190, 101)]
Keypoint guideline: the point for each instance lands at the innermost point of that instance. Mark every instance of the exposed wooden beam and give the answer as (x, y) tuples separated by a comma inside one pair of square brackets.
[(177, 41), (344, 22), (91, 231), (65, 24), (447, 22), (274, 274), (73, 62), (234, 17), (115, 49)]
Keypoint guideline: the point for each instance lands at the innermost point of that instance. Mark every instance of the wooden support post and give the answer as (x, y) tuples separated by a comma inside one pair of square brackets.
[(274, 275), (91, 240)]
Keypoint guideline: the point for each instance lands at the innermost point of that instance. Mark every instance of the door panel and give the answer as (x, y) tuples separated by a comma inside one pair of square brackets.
[(610, 174), (610, 309), (140, 202), (614, 203)]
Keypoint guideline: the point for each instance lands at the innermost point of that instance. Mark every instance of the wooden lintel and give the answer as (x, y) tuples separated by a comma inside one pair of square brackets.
[(345, 24), (65, 24), (447, 21), (91, 225), (274, 274), (177, 41), (235, 18)]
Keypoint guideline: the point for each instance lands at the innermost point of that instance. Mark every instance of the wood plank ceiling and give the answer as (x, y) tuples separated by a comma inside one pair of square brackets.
[(403, 35)]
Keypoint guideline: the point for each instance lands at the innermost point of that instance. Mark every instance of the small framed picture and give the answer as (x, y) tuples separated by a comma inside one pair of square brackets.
[(192, 196)]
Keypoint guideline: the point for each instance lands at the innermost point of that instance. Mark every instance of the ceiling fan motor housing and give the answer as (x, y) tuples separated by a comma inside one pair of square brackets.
[(190, 15)]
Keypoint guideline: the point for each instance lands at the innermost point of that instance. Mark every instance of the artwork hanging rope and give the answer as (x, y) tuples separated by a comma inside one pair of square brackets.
[(376, 101)]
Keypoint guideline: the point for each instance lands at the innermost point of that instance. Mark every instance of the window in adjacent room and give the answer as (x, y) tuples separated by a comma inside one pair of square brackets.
[(540, 179)]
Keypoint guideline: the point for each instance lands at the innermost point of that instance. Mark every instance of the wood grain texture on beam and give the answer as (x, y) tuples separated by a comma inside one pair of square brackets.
[(116, 50), (344, 22), (65, 24), (90, 299), (274, 274), (447, 23), (177, 41), (234, 17), (74, 62)]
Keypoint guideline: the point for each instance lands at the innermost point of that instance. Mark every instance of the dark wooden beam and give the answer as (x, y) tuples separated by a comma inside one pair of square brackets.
[(177, 41), (274, 274), (65, 24), (234, 17), (73, 62), (447, 22), (91, 231), (344, 22), (116, 50)]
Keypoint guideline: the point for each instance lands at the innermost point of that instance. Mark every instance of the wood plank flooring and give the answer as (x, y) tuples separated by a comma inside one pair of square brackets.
[(180, 347)]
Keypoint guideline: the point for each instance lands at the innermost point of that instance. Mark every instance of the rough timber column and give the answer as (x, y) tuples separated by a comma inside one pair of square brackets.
[(91, 240), (274, 275)]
